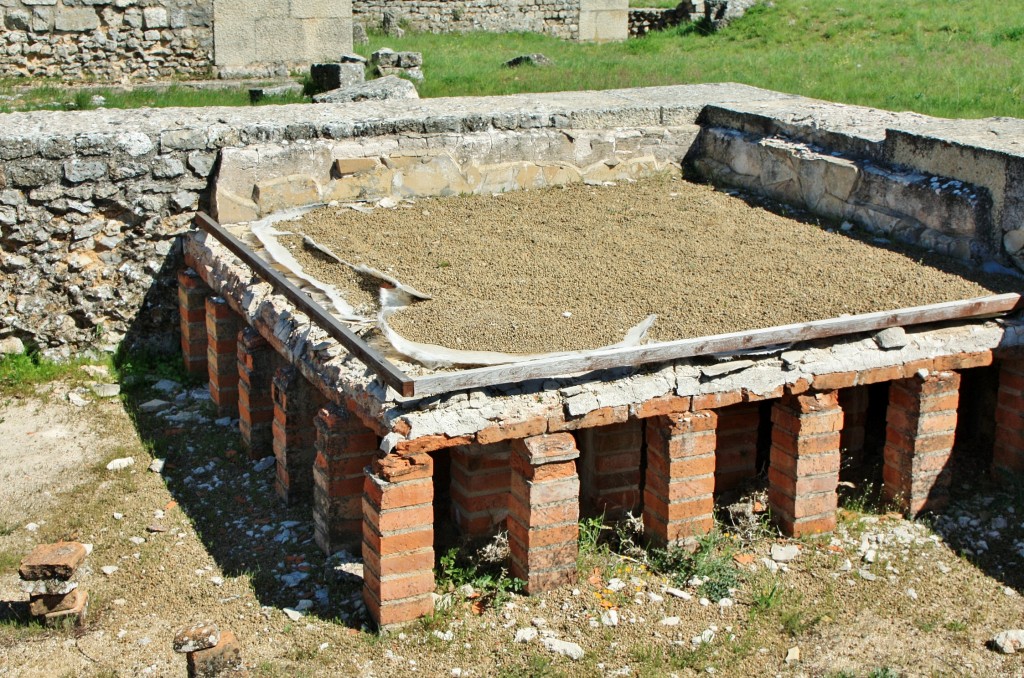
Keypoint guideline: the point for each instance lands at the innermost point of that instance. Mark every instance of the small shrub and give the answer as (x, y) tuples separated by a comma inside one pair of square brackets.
[(711, 561)]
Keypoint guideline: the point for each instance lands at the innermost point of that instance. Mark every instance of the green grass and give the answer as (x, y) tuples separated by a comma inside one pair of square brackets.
[(939, 57), (658, 4), (711, 561), (19, 374)]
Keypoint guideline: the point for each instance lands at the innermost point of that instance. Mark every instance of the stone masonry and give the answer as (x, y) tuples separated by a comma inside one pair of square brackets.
[(92, 204)]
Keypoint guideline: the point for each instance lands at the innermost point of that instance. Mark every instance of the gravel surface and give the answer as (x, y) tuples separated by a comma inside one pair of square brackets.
[(575, 267)]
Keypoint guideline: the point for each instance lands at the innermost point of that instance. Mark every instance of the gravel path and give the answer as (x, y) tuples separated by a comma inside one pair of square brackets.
[(575, 267)]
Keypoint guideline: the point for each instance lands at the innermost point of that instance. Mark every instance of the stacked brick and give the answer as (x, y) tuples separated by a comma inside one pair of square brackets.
[(48, 576), (344, 448), (680, 482), (192, 294), (919, 436), (256, 366), (398, 538), (805, 460), (479, 487), (613, 462), (1008, 455), (544, 511), (296, 403), (208, 651), (222, 326), (736, 445)]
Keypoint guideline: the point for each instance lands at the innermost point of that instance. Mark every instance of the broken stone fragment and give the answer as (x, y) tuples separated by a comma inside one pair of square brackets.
[(198, 636), (43, 604), (52, 561), (388, 87), (891, 338), (225, 656), (79, 610)]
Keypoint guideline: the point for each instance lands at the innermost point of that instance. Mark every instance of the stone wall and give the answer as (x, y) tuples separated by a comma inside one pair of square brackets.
[(92, 202), (106, 39), (597, 20), (254, 39)]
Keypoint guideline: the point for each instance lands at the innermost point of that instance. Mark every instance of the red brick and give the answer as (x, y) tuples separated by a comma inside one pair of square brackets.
[(805, 446), (798, 487), (806, 526), (539, 494), (543, 536), (538, 558), (412, 561), (431, 443), (472, 504), (511, 431), (621, 461), (603, 416), (545, 515), (397, 543), (679, 510), (404, 467), (399, 519), (399, 586), (711, 401), (804, 506), (52, 561), (398, 495), (543, 449), (662, 405), (396, 613), (225, 656), (538, 582), (830, 421), (877, 374), (963, 361), (835, 380), (40, 605), (690, 466)]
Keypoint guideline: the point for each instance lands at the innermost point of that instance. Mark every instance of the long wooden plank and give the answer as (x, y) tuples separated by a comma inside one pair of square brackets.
[(719, 343), (385, 370)]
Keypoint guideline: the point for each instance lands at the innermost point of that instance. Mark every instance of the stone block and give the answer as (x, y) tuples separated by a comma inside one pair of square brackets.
[(333, 76), (225, 656), (76, 19), (155, 17)]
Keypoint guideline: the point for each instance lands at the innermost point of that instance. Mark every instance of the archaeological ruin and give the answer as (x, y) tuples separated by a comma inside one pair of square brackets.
[(137, 225)]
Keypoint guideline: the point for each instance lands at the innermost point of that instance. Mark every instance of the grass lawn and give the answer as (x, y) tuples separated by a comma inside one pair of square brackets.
[(940, 57)]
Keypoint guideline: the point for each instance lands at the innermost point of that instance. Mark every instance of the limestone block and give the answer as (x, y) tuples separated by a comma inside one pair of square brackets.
[(229, 208), (42, 19), (234, 41), (293, 190), (321, 9), (603, 20), (76, 19), (17, 20), (32, 3), (155, 17), (439, 176), (367, 186), (280, 39), (325, 39)]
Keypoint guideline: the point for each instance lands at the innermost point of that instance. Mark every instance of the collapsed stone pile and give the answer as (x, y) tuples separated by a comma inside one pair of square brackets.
[(48, 576)]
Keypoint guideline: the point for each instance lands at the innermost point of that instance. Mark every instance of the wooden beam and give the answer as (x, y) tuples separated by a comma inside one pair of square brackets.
[(385, 370), (734, 341)]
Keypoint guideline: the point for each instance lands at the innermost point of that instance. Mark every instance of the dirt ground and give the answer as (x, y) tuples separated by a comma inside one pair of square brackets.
[(881, 597), (575, 267)]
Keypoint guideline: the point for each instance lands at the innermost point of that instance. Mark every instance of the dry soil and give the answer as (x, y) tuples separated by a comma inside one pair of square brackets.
[(575, 267)]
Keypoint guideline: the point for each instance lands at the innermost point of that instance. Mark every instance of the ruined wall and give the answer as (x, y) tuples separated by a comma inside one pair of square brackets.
[(598, 20), (92, 202), (106, 39)]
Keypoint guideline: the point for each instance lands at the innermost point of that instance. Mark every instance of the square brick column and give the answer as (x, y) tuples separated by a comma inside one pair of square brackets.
[(256, 366), (296, 403), (192, 294), (805, 460), (544, 511), (398, 538), (919, 435), (222, 326), (854, 402), (610, 468), (680, 483), (1008, 452), (344, 448), (736, 445), (480, 487)]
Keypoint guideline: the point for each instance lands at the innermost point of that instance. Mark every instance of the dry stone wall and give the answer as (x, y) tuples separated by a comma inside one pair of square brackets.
[(106, 39), (598, 20), (93, 203)]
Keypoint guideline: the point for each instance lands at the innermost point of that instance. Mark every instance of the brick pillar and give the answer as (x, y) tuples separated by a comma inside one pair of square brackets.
[(480, 487), (192, 294), (919, 434), (256, 365), (736, 445), (544, 511), (398, 538), (344, 448), (805, 460), (222, 326), (680, 482), (610, 468), (854, 403), (1008, 453), (296, 403)]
